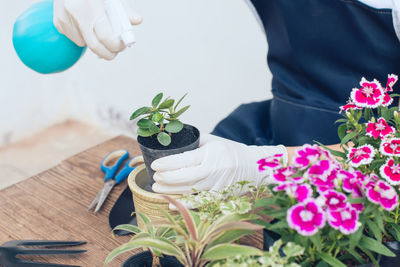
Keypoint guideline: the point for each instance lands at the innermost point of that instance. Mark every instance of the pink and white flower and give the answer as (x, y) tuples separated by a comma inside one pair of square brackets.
[(390, 147), (345, 220), (353, 182), (299, 191), (383, 194), (349, 106), (387, 100), (306, 217), (324, 183), (321, 169), (391, 171), (334, 200), (392, 80), (309, 155), (379, 129), (370, 95), (271, 162), (286, 174), (361, 155)]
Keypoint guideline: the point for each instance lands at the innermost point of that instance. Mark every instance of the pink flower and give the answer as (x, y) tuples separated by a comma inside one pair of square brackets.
[(334, 200), (308, 155), (324, 183), (306, 217), (344, 220), (391, 171), (286, 174), (379, 129), (300, 192), (392, 80), (370, 95), (387, 100), (349, 106), (353, 182), (321, 169), (271, 162), (390, 147), (361, 155), (383, 194)]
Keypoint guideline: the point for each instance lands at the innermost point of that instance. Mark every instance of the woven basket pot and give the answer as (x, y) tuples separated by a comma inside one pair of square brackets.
[(148, 203)]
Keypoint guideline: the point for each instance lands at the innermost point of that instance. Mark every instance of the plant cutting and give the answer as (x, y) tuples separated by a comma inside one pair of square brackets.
[(192, 241), (160, 131), (324, 206)]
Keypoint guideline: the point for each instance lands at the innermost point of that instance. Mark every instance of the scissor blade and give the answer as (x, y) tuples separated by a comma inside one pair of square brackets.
[(108, 186), (95, 200)]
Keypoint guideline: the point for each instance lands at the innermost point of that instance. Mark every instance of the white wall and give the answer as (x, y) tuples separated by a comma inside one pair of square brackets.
[(213, 49)]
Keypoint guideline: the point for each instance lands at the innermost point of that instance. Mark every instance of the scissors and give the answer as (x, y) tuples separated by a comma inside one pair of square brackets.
[(109, 165)]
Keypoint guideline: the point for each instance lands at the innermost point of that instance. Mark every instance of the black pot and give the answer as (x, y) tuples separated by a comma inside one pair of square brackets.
[(385, 261), (187, 139), (144, 259)]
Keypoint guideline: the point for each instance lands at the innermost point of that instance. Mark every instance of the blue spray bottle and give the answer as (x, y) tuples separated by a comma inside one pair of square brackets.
[(42, 48)]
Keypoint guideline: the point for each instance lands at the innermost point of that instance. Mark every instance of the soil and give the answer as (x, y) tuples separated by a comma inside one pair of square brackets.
[(185, 137)]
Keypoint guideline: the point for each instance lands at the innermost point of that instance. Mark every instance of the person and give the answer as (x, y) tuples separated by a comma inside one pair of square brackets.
[(318, 49)]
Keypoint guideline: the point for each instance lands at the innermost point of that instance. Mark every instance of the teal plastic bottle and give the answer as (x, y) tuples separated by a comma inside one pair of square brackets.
[(38, 43)]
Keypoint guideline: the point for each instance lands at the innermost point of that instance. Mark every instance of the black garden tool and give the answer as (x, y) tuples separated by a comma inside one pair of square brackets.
[(10, 250)]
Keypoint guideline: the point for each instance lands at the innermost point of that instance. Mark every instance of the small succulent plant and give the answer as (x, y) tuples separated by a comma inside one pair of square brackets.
[(161, 119)]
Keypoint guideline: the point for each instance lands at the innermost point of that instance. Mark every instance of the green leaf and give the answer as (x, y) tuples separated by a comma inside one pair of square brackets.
[(265, 202), (179, 112), (341, 120), (144, 123), (316, 240), (333, 152), (356, 255), (355, 238), (369, 254), (129, 228), (229, 237), (118, 251), (342, 130), (157, 117), (348, 137), (144, 132), (224, 251), (375, 230), (164, 139), (166, 104), (367, 114), (375, 246), (156, 100), (174, 127), (179, 101), (395, 231), (331, 260), (139, 112)]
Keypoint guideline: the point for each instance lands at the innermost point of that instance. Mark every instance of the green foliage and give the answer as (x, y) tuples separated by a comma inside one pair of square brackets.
[(271, 258), (161, 119), (193, 241)]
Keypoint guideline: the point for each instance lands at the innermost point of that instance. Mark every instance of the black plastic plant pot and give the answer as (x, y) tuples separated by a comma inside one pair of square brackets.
[(187, 139), (385, 261), (145, 259)]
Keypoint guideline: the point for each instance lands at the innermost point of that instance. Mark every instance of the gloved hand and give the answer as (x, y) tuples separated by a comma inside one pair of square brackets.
[(217, 164), (86, 24)]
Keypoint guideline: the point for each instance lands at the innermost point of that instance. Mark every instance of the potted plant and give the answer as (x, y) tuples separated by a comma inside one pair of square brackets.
[(337, 214), (370, 141), (160, 134), (193, 241)]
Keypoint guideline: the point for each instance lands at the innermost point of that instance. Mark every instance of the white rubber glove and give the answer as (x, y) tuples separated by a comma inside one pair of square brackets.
[(86, 24), (217, 164)]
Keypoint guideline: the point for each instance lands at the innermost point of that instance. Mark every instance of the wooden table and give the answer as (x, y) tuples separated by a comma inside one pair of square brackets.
[(53, 205)]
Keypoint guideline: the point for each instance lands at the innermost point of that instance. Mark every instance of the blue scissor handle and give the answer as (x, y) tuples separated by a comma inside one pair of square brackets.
[(128, 168), (121, 155)]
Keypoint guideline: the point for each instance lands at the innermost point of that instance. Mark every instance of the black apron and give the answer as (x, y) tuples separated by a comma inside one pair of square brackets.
[(318, 51)]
